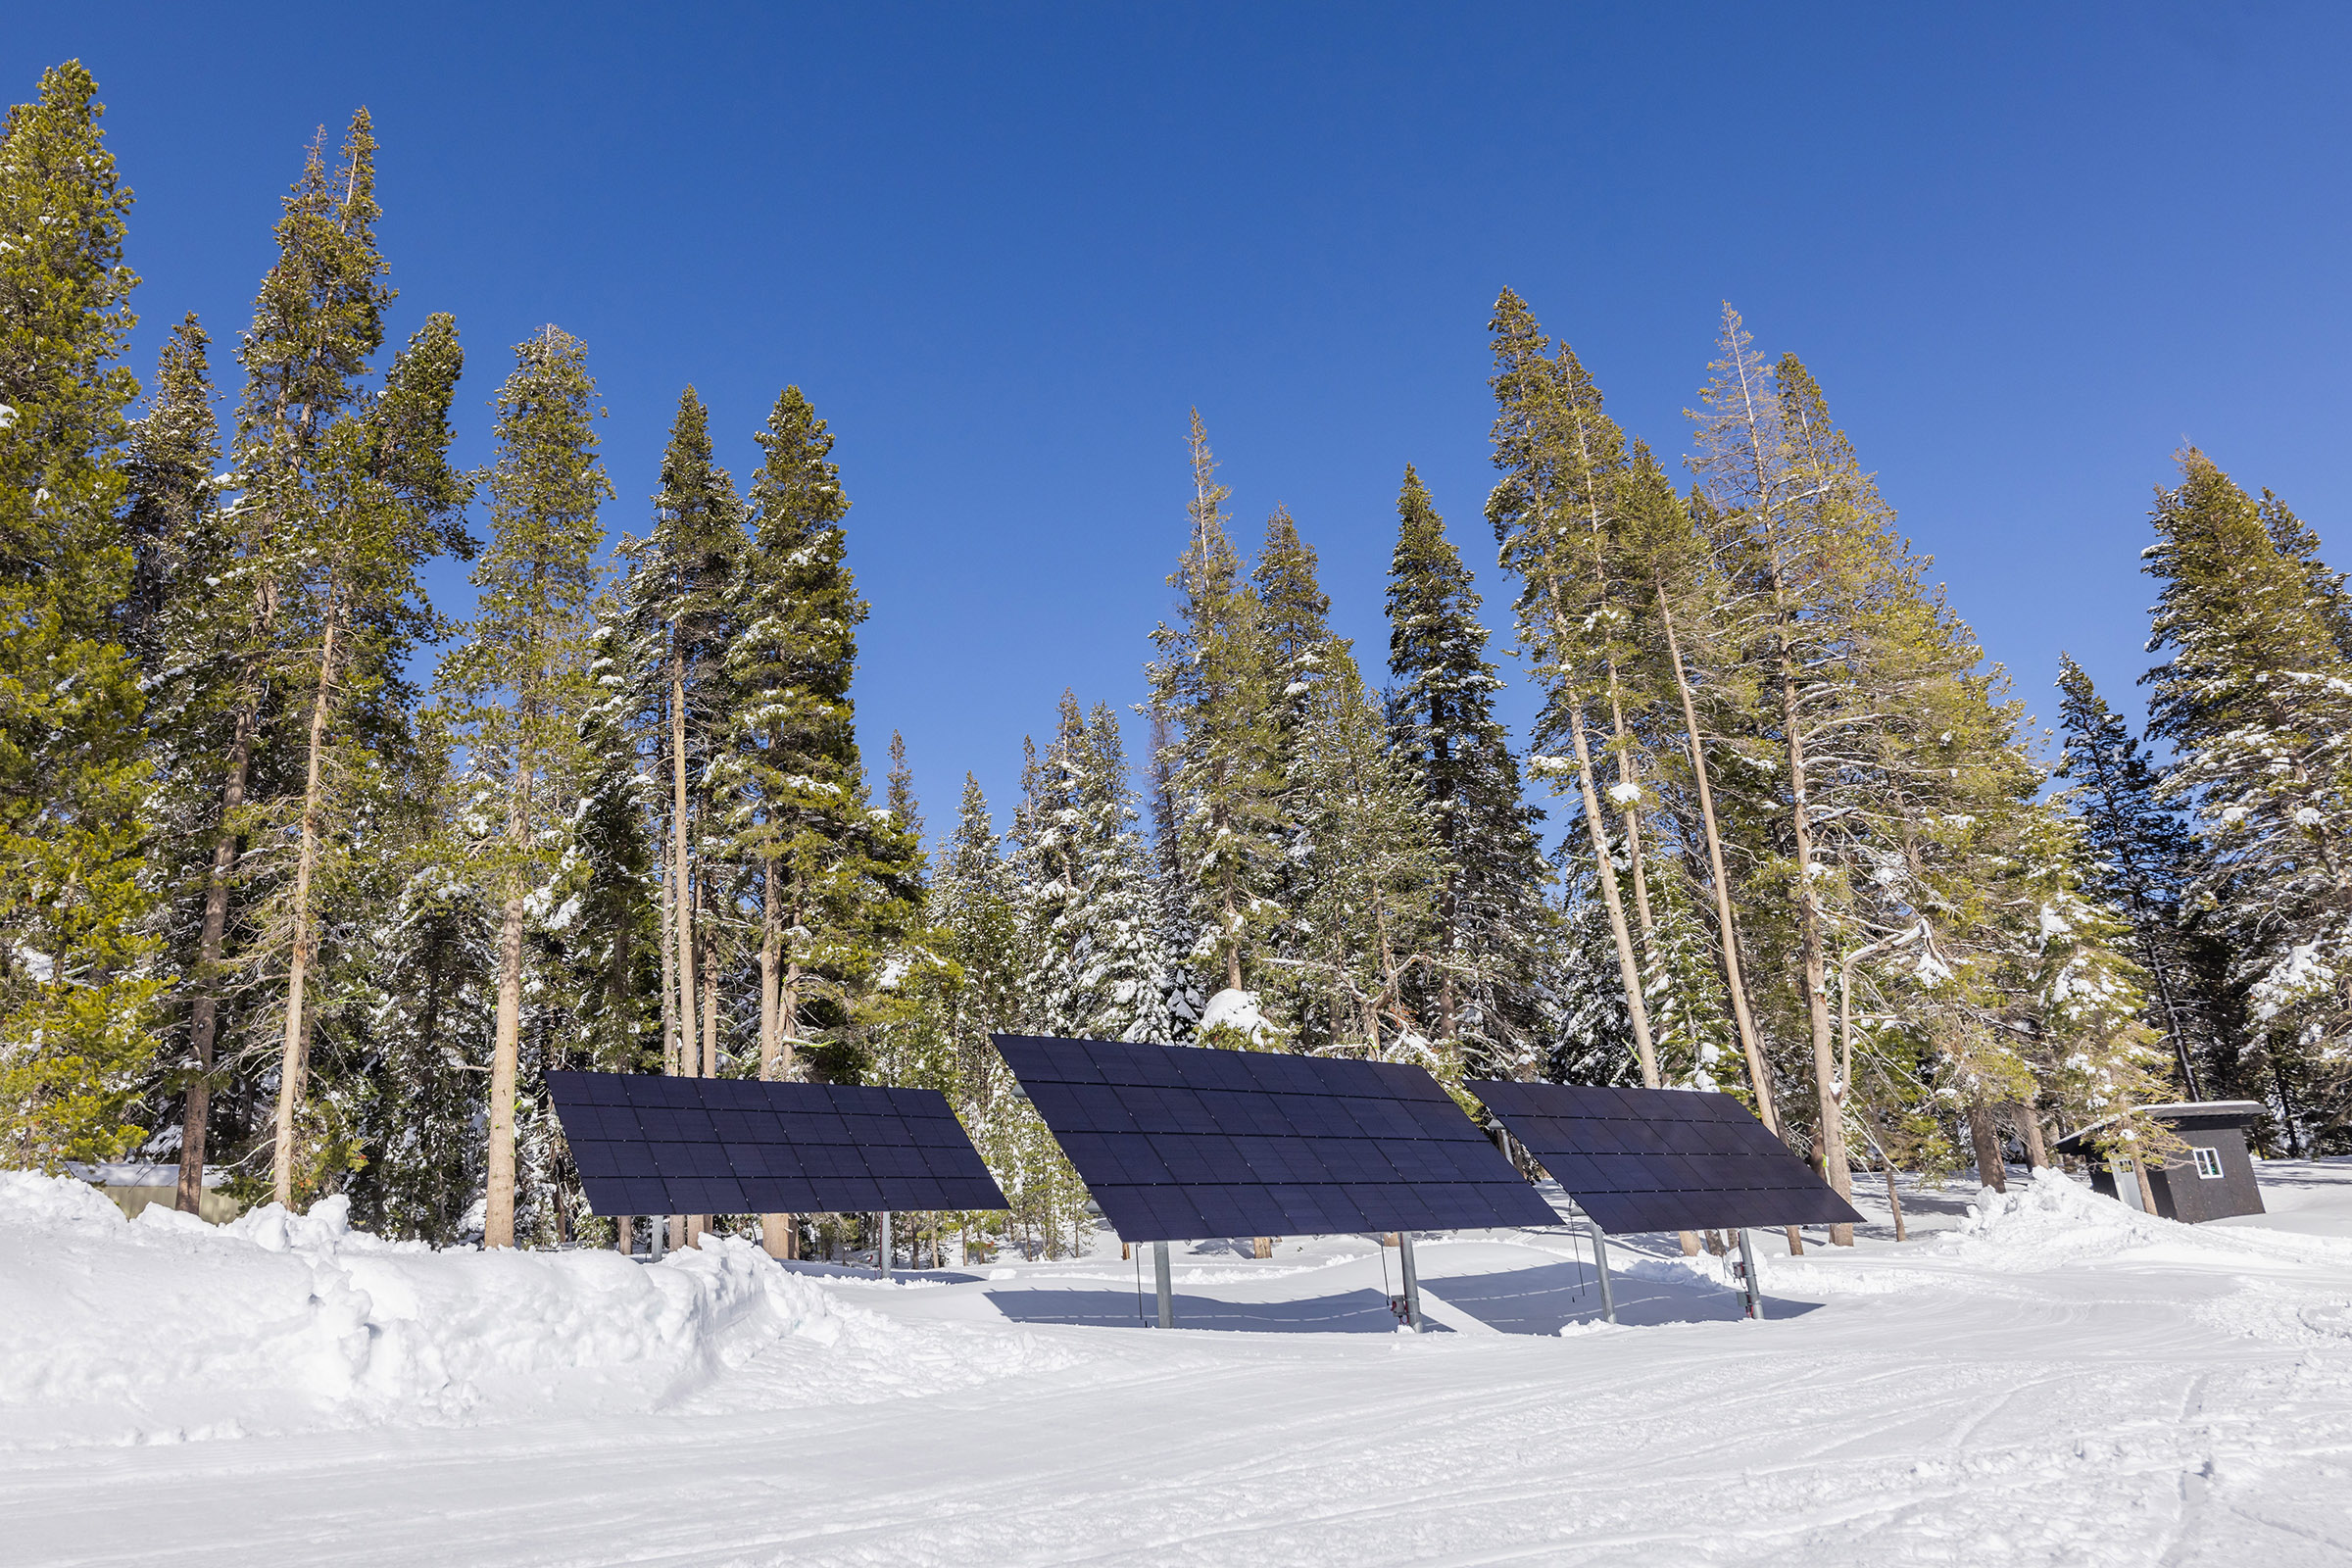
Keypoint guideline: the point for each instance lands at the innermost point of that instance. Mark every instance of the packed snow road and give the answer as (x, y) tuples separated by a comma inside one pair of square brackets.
[(2052, 1380)]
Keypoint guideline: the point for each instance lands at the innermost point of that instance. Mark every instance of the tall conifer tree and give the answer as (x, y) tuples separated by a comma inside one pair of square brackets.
[(2256, 700), (1213, 682), (76, 988), (1489, 908), (520, 680)]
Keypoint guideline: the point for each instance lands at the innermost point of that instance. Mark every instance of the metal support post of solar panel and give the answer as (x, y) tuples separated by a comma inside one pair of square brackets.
[(648, 1145), (1663, 1159), (1185, 1144)]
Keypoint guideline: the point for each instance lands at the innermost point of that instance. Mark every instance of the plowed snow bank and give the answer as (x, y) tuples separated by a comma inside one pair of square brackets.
[(165, 1328)]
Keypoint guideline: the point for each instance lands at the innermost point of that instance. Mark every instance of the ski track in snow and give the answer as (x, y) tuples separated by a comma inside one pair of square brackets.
[(2056, 1380)]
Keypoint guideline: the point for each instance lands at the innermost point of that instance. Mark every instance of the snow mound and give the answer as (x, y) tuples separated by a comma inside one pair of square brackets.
[(2052, 1220), (1239, 1010), (166, 1328)]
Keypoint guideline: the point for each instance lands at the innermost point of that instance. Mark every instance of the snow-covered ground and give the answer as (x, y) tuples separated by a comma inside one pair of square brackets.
[(2053, 1379)]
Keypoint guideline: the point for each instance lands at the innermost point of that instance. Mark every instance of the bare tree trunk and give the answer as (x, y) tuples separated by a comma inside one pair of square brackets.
[(1628, 969), (1989, 1172), (2147, 1194), (2028, 1124), (204, 1017), (1726, 930), (293, 1063), (1810, 923), (498, 1213), (685, 1226), (1628, 776), (670, 963), (775, 1230), (1894, 1200)]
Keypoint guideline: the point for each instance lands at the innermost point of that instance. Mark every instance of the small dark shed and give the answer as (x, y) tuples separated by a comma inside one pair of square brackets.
[(2212, 1179)]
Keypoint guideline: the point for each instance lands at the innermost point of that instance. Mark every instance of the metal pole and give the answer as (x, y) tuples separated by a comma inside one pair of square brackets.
[(1159, 1276), (882, 1249), (1412, 1279), (657, 1241), (1747, 1271), (1601, 1268)]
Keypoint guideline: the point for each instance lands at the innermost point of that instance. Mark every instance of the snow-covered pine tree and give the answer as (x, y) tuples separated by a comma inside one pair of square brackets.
[(1176, 919), (835, 882), (351, 608), (2086, 1000), (2256, 700), (1043, 849), (174, 449), (1213, 683), (679, 616), (78, 988), (316, 323), (419, 1011), (2140, 860), (682, 596), (1489, 912), (1370, 870), (518, 685), (1293, 630), (613, 936), (1123, 976), (350, 494), (191, 617)]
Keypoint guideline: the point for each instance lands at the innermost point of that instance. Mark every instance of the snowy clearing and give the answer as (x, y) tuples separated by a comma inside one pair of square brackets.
[(2053, 1379)]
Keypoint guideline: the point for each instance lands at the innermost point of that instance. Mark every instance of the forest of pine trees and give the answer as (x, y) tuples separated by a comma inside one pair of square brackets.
[(308, 883)]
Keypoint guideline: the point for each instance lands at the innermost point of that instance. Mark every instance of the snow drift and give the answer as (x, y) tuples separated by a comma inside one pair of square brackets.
[(165, 1328)]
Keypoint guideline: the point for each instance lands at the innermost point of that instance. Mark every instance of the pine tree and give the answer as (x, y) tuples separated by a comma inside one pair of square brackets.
[(613, 955), (901, 799), (1370, 870), (519, 680), (2141, 859), (77, 991), (1177, 923), (1690, 612), (837, 883), (2256, 700), (1490, 906), (1558, 454), (1213, 682), (1123, 973), (174, 452), (1042, 850), (351, 608), (678, 619), (186, 620)]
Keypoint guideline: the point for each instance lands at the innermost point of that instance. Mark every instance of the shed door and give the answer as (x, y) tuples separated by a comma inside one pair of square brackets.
[(2126, 1184)]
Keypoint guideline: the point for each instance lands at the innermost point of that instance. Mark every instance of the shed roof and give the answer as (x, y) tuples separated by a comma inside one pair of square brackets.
[(2180, 1114)]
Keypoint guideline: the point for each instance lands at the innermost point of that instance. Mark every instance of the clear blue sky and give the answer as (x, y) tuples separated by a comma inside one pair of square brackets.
[(2026, 250)]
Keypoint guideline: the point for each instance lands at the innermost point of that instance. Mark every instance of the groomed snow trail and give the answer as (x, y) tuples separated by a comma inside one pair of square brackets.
[(2058, 1379)]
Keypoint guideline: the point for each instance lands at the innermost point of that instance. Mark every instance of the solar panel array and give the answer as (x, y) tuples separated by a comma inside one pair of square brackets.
[(1663, 1159), (1177, 1144), (648, 1145)]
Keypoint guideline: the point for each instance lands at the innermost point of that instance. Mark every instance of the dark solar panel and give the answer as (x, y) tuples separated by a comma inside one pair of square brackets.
[(1663, 1159), (648, 1145), (1181, 1143)]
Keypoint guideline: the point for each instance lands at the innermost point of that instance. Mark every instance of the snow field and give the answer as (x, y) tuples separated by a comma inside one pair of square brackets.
[(2051, 1379)]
